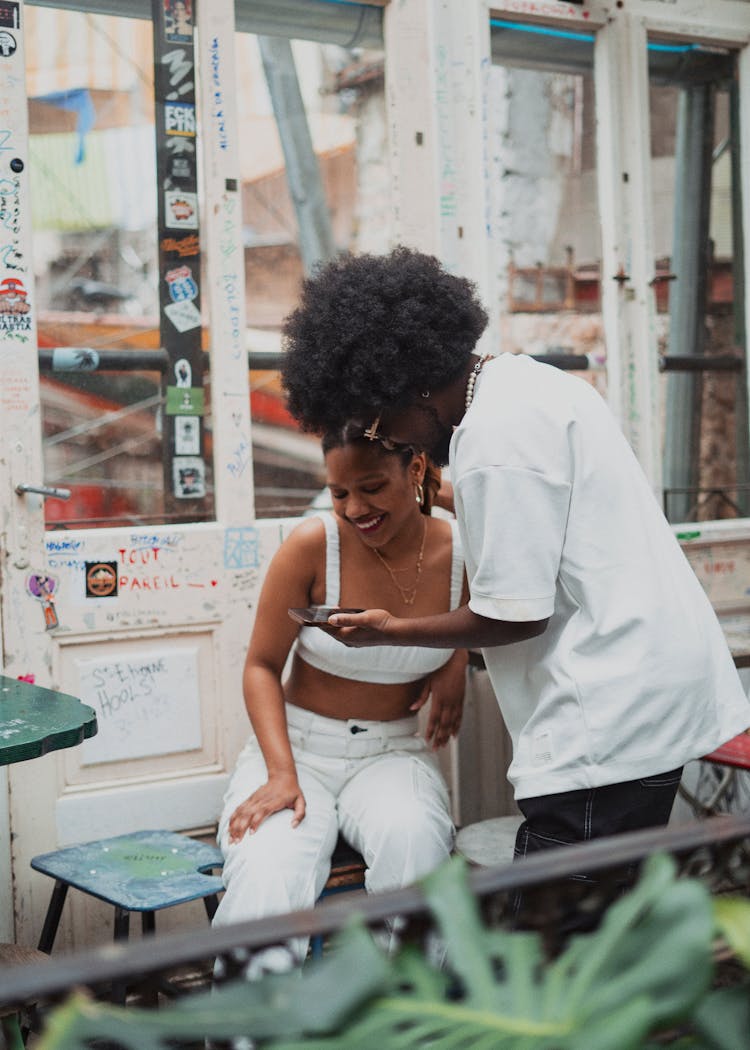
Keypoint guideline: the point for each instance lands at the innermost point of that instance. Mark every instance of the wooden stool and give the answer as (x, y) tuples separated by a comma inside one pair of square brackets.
[(143, 872), (10, 1022), (489, 843), (347, 870)]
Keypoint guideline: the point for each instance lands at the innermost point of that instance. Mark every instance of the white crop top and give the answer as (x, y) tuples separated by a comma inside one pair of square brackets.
[(386, 664)]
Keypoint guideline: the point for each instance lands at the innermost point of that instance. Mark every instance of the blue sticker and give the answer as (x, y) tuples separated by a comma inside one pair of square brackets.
[(241, 549), (182, 285)]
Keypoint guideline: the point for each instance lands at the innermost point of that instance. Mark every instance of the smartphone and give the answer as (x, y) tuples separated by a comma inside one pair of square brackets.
[(317, 615)]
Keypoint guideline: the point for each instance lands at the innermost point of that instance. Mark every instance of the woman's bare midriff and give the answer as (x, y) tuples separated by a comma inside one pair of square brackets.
[(334, 697)]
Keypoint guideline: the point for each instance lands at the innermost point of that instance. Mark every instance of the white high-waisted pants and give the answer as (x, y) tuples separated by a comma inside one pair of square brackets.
[(376, 782)]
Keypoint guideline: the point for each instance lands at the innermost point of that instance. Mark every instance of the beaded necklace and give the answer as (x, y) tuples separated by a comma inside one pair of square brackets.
[(471, 381)]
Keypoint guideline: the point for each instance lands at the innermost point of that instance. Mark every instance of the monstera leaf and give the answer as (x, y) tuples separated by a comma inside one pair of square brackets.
[(318, 998), (646, 967), (732, 917)]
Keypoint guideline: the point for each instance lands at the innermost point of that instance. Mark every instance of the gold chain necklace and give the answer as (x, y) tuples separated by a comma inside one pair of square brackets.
[(408, 594)]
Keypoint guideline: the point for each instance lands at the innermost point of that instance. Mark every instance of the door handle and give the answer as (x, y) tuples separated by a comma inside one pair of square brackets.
[(47, 491)]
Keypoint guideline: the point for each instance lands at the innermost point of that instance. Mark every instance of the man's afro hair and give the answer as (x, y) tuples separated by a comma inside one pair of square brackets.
[(372, 332)]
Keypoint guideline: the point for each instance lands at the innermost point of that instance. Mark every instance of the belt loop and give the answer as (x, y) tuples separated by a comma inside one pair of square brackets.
[(299, 720)]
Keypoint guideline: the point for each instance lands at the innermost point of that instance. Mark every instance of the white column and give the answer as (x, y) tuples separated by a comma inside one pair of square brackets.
[(436, 80), (25, 644), (624, 179), (744, 107), (221, 236)]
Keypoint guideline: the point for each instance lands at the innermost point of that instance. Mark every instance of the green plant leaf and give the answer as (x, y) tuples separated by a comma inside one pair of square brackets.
[(666, 956), (732, 916), (723, 1018), (648, 964), (508, 1001), (461, 926), (317, 998)]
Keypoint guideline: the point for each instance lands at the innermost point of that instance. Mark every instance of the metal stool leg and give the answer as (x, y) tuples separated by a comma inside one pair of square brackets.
[(709, 808), (150, 997), (122, 923), (122, 932), (211, 903), (52, 918), (726, 781)]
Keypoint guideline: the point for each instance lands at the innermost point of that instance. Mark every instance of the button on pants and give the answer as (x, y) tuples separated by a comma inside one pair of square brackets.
[(376, 782)]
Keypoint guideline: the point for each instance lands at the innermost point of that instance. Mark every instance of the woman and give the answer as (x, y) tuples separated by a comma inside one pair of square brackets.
[(336, 743)]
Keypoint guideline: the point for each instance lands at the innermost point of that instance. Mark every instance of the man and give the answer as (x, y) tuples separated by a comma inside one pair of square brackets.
[(609, 665)]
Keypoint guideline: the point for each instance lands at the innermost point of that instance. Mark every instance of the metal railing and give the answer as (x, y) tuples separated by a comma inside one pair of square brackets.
[(546, 889)]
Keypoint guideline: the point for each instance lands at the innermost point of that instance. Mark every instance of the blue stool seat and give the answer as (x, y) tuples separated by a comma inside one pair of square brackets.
[(142, 872)]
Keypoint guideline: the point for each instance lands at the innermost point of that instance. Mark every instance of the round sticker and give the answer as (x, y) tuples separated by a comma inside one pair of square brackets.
[(101, 579)]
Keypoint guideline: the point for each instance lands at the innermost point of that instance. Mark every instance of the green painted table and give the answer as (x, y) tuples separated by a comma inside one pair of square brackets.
[(34, 721)]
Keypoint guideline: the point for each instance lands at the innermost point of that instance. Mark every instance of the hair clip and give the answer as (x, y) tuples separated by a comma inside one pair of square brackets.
[(371, 433)]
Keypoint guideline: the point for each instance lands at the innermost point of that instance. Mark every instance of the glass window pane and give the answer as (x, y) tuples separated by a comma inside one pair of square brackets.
[(546, 228), (694, 151), (94, 181), (343, 111)]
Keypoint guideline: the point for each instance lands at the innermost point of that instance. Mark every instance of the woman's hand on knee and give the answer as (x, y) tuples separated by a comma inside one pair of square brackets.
[(279, 792)]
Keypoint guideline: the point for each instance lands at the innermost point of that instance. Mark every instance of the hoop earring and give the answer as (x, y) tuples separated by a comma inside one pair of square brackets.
[(425, 393), (419, 492)]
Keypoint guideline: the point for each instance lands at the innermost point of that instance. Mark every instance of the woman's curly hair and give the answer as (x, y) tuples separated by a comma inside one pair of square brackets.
[(374, 331)]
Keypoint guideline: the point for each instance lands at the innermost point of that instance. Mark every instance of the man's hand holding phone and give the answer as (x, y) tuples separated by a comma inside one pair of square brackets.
[(353, 627), (317, 615)]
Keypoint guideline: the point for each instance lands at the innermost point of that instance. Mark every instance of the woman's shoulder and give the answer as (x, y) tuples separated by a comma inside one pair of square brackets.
[(308, 535), (442, 534), (303, 551)]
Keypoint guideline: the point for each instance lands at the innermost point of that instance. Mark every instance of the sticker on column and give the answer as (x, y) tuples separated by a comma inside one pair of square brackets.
[(183, 373), (189, 476), (180, 210), (180, 168), (184, 316), (182, 285), (10, 15), (74, 359), (42, 587), (101, 579), (182, 247), (178, 21), (8, 44), (180, 157), (14, 306), (187, 436), (185, 401), (179, 118)]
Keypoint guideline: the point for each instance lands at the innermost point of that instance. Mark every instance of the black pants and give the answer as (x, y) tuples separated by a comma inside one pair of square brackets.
[(577, 816), (591, 813)]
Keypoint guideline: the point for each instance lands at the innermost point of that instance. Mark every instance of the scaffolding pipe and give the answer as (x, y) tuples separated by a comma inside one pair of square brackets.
[(302, 169), (348, 24), (741, 411), (86, 359)]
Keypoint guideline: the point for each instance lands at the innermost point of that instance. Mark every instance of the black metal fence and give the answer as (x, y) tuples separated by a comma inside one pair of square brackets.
[(541, 893)]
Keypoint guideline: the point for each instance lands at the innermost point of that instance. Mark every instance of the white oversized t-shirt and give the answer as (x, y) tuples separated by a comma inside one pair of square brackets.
[(632, 676)]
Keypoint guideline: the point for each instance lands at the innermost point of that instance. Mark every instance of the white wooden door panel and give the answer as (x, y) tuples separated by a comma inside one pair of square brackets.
[(163, 670)]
